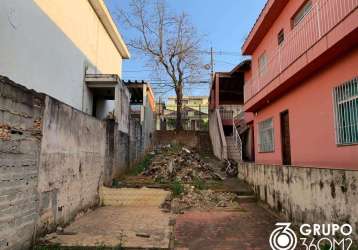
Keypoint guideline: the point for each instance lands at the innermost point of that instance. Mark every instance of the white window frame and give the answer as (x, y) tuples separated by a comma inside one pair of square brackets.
[(271, 130), (262, 61), (345, 105), (301, 13)]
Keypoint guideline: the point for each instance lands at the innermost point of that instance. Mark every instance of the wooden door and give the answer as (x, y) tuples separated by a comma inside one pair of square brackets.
[(193, 125), (285, 138)]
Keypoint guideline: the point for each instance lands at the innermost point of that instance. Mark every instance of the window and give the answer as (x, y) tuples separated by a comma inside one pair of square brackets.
[(345, 98), (262, 63), (280, 37), (191, 113), (266, 136), (301, 13)]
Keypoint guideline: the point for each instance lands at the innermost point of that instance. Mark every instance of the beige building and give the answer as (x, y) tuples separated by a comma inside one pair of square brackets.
[(194, 102), (194, 113), (61, 48)]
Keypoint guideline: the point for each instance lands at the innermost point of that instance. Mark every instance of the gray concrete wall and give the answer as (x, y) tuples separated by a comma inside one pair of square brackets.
[(121, 153), (135, 142), (53, 158), (148, 125), (20, 138), (71, 163), (306, 195), (122, 107)]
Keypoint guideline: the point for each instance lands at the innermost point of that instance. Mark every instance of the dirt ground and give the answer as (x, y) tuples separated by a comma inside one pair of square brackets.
[(175, 199)]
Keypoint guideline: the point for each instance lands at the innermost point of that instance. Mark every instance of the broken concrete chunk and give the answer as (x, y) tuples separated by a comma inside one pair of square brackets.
[(143, 235), (59, 230), (186, 150)]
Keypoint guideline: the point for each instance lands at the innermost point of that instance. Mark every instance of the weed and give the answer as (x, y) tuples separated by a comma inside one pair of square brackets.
[(143, 165), (160, 180), (199, 183), (176, 188)]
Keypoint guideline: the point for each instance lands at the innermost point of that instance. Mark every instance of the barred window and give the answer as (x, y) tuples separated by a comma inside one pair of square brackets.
[(266, 136), (345, 99), (280, 37)]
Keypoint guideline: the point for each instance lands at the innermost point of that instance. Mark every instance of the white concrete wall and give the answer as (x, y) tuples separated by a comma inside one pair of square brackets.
[(48, 45), (306, 195)]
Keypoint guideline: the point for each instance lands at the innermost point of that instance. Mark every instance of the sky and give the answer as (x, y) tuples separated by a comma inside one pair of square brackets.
[(224, 25)]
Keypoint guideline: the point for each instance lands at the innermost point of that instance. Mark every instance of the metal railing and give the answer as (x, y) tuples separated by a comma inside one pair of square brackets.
[(230, 112), (226, 114), (237, 139), (240, 116), (323, 17)]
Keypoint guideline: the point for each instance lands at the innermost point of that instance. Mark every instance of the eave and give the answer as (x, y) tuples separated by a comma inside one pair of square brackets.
[(267, 17), (106, 19)]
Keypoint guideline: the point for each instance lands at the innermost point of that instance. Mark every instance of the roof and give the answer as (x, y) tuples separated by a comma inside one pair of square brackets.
[(184, 110), (139, 86), (106, 19), (189, 97), (264, 21), (243, 66), (136, 82)]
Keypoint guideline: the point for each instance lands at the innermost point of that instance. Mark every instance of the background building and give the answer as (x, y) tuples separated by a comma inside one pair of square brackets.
[(229, 124), (142, 109), (194, 113)]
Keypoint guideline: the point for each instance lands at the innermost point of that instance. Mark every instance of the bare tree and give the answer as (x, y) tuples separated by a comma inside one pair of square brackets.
[(169, 41)]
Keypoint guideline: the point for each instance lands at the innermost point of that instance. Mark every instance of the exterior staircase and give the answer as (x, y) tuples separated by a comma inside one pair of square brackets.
[(233, 149)]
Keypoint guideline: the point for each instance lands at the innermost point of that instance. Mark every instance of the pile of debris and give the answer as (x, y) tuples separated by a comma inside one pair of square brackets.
[(182, 165), (189, 175), (5, 132), (203, 199)]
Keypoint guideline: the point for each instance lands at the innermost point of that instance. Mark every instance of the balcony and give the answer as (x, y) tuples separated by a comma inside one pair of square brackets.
[(228, 113), (322, 18)]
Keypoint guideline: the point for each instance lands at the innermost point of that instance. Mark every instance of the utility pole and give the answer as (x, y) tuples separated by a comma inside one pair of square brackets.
[(199, 116), (212, 63)]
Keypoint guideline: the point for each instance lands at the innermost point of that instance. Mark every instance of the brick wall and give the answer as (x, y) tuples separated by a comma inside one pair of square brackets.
[(193, 139), (306, 195), (20, 137)]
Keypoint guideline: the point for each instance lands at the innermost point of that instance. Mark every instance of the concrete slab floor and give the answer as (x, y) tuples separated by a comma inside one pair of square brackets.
[(220, 230), (128, 227)]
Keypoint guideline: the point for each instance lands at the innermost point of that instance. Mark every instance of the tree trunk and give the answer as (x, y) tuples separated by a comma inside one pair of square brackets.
[(179, 93)]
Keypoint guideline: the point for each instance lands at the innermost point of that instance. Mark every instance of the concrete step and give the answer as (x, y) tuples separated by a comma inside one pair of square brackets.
[(133, 197), (246, 198)]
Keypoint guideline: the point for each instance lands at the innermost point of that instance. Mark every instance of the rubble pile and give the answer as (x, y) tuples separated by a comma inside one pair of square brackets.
[(5, 132), (189, 175), (182, 165), (203, 199)]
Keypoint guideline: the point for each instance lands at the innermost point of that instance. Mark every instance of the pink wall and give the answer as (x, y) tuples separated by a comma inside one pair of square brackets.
[(311, 117), (269, 42)]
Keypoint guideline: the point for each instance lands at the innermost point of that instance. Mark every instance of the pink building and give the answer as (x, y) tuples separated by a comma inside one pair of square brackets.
[(303, 84), (233, 127)]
